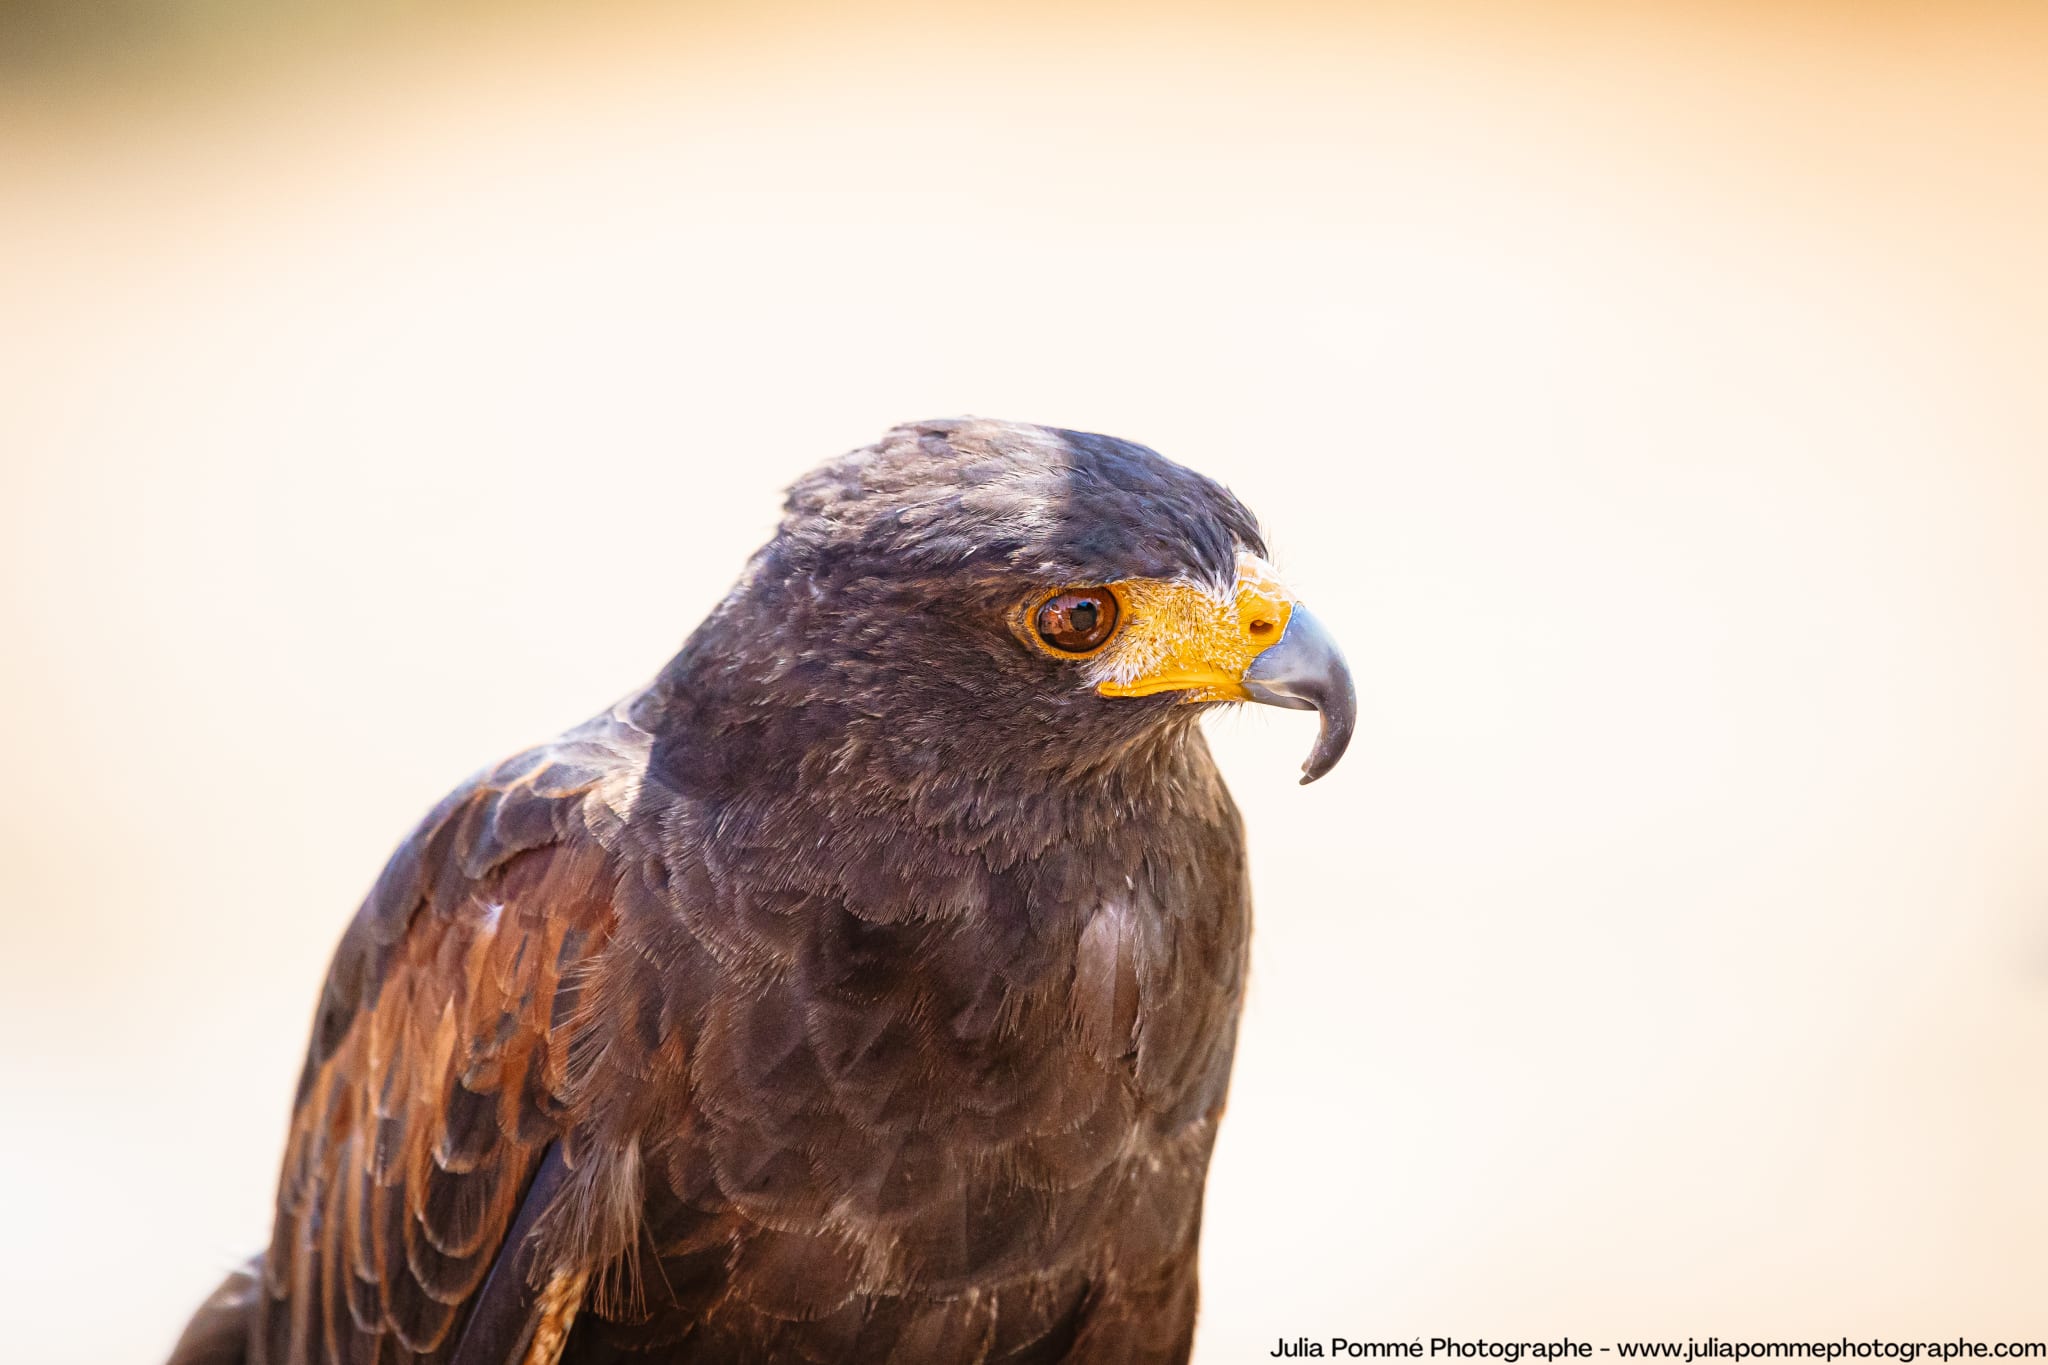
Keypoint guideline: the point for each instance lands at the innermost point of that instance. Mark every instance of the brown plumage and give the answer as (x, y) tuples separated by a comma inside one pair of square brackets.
[(864, 988)]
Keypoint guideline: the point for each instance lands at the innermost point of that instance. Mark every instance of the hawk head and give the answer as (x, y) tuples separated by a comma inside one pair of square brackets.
[(1000, 600)]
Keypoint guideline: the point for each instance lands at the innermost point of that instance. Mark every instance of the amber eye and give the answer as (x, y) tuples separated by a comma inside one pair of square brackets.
[(1077, 621)]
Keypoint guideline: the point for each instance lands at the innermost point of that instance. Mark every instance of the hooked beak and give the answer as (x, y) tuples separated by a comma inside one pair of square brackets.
[(1257, 644), (1305, 671)]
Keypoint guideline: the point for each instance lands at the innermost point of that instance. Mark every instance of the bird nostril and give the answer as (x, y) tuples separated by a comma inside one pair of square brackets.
[(1261, 627)]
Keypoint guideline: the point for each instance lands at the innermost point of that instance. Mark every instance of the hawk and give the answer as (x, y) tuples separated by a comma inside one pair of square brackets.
[(863, 989)]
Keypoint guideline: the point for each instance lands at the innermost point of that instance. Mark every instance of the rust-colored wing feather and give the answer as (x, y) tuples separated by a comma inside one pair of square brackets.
[(437, 1075)]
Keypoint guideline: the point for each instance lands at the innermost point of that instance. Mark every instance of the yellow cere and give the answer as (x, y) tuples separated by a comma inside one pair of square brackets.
[(1185, 637)]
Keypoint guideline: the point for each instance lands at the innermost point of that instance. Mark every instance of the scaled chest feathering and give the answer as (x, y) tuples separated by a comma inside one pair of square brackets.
[(863, 989)]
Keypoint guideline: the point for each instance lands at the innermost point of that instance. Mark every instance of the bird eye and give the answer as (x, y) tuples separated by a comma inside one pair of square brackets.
[(1078, 620)]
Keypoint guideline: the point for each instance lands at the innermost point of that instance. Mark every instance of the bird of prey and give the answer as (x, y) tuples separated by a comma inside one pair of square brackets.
[(863, 989)]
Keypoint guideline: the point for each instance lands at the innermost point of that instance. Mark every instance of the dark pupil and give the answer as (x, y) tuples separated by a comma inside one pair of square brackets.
[(1083, 617)]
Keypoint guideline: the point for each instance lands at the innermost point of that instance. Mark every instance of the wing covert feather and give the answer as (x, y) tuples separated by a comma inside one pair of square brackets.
[(438, 1071)]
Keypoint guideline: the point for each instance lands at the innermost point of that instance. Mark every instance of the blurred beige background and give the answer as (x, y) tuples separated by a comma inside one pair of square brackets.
[(1651, 397)]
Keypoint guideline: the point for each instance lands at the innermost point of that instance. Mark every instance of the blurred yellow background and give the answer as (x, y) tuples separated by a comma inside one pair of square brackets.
[(1651, 397)]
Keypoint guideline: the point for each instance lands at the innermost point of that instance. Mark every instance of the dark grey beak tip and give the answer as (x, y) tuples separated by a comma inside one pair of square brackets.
[(1306, 671), (1330, 746), (1339, 716)]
